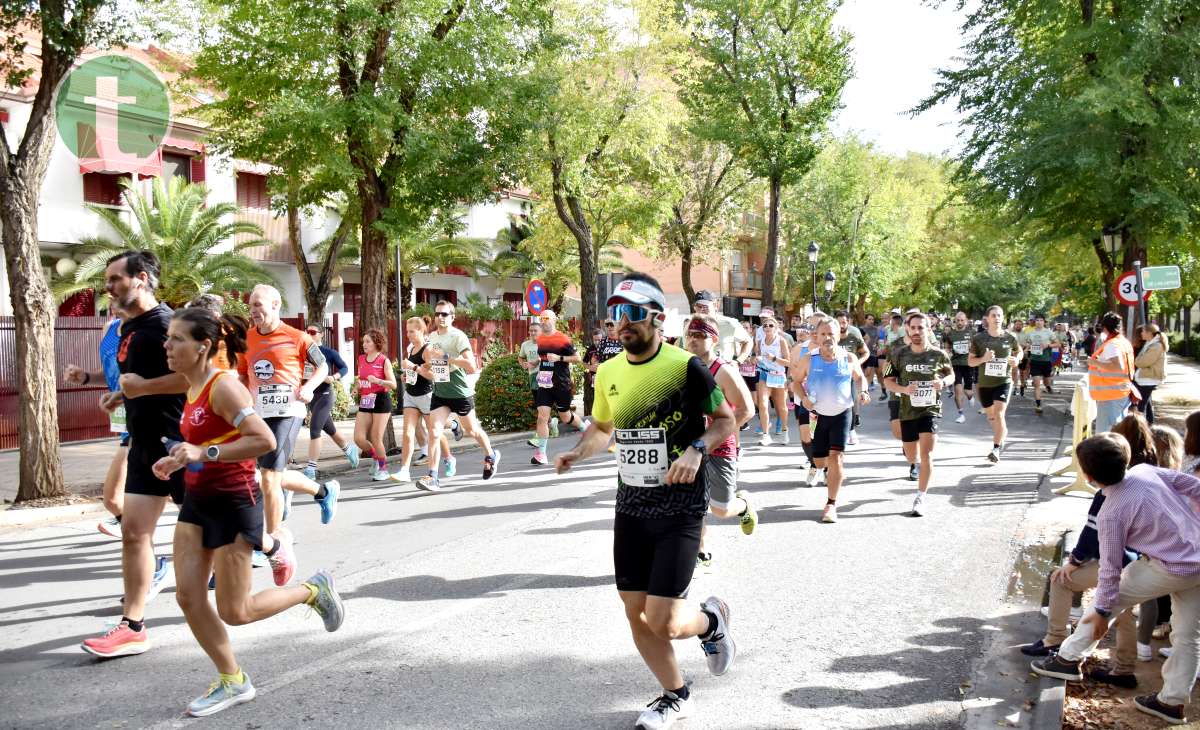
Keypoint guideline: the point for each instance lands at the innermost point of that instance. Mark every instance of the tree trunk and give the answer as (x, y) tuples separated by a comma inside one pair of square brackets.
[(315, 293), (373, 309), (768, 291), (685, 272), (570, 212), (39, 471)]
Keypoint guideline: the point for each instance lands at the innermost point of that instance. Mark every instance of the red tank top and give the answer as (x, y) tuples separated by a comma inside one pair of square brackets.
[(367, 368), (202, 426), (728, 447)]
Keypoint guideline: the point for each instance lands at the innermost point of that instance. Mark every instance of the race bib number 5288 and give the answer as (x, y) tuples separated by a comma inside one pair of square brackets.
[(642, 456)]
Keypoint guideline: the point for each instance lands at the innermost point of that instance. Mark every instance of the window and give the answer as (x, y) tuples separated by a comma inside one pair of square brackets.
[(252, 191), (176, 166), (102, 188), (351, 295), (433, 296), (515, 302)]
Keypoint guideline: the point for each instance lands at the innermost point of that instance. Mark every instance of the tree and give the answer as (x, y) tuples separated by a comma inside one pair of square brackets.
[(196, 244), (67, 27), (1080, 118), (714, 191), (765, 77)]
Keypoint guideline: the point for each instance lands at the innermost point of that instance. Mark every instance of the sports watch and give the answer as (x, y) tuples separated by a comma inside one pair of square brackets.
[(698, 445), (212, 452)]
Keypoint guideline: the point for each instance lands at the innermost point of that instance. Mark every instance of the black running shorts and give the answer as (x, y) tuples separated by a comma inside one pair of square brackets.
[(222, 517), (556, 398), (656, 555), (831, 434), (999, 393), (458, 406), (1041, 368), (964, 375), (139, 477), (911, 431)]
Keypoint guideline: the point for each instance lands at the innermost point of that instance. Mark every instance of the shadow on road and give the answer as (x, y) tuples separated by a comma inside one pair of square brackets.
[(433, 588)]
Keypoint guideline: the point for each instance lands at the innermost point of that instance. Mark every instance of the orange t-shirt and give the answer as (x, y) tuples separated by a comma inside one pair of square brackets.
[(277, 360)]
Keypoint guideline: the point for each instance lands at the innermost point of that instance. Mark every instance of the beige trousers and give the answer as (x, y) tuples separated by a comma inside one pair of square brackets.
[(1082, 579)]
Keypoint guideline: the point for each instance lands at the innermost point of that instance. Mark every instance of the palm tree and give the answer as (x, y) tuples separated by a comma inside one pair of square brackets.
[(177, 226)]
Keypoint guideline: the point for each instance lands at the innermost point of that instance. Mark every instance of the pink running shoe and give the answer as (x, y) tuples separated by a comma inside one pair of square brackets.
[(120, 640), (283, 562)]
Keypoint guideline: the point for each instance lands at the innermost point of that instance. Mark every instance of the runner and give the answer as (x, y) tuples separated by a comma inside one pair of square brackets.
[(721, 467), (221, 520), (871, 334), (918, 373), (893, 351), (531, 361), (957, 341), (852, 341), (418, 393), (151, 394), (996, 353), (656, 398), (1020, 331), (113, 490), (804, 345), (591, 361), (748, 369), (771, 352), (452, 360), (273, 371), (1040, 345), (556, 353), (320, 410), (376, 381), (894, 331), (824, 380)]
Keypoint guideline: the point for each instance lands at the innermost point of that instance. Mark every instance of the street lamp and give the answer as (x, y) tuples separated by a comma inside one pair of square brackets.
[(1112, 243), (830, 279), (813, 249), (954, 306)]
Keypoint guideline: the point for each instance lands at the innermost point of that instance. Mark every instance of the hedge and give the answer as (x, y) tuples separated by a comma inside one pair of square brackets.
[(503, 400)]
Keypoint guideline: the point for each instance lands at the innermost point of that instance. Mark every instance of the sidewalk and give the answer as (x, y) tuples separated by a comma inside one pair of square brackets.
[(1180, 395), (86, 462)]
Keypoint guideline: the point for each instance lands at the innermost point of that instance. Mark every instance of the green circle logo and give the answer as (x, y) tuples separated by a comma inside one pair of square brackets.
[(113, 109)]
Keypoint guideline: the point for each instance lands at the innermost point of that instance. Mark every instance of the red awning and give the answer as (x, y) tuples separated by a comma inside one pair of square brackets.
[(99, 151), (184, 145)]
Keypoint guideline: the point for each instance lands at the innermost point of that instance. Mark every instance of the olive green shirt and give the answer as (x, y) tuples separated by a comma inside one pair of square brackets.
[(908, 366), (1004, 346), (958, 344)]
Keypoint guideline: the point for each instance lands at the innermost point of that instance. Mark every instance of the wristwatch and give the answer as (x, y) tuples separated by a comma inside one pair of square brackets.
[(1104, 612), (212, 452), (698, 445)]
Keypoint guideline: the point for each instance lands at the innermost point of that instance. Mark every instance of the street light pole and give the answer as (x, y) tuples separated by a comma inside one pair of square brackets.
[(830, 280), (813, 250)]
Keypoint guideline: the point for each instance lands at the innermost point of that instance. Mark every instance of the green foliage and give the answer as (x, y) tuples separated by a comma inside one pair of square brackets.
[(475, 307), (190, 238), (505, 402), (341, 402)]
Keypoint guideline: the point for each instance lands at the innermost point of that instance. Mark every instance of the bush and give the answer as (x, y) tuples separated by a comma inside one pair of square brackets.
[(1182, 344), (503, 400), (341, 402)]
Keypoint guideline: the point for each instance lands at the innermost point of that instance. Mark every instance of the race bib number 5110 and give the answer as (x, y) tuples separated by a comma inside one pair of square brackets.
[(642, 456)]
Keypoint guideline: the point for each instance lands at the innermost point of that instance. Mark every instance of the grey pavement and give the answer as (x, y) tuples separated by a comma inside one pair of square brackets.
[(492, 605)]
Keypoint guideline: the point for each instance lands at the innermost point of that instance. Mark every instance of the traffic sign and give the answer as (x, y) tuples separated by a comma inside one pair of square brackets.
[(1126, 289), (1155, 278), (536, 296)]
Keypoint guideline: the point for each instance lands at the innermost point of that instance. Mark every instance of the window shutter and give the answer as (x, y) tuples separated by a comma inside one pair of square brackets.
[(198, 169), (102, 188)]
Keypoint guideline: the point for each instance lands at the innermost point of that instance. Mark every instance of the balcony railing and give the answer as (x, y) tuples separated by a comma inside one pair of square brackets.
[(745, 281)]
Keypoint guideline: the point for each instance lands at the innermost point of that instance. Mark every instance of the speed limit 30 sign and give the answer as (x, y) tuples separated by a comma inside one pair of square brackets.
[(1126, 289)]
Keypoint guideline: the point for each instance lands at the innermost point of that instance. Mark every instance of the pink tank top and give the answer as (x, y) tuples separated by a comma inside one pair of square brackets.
[(728, 447)]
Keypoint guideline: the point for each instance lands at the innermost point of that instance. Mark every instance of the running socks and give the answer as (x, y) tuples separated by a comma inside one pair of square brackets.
[(829, 502), (682, 693), (381, 464), (321, 493), (134, 625), (239, 678), (313, 592), (709, 632), (311, 465)]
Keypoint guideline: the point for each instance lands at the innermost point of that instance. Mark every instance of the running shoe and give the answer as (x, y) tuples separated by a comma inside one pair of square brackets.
[(1151, 705), (534, 441), (110, 527), (554, 428), (490, 463), (329, 504), (853, 440), (403, 476), (283, 562), (783, 437), (430, 483), (914, 472), (258, 559), (1164, 652), (310, 472), (994, 455), (538, 458), (918, 508), (380, 475), (456, 430), (221, 695), (749, 518), (765, 440), (962, 418), (1145, 652), (814, 476), (663, 711), (1049, 389), (287, 504), (883, 396), (212, 582), (352, 455), (327, 603), (1058, 668), (120, 640), (829, 515), (703, 560), (745, 426), (719, 648), (162, 576), (422, 455), (1022, 391), (450, 466)]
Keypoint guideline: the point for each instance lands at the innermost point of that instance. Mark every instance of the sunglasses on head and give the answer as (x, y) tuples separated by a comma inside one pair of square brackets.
[(443, 314), (630, 312)]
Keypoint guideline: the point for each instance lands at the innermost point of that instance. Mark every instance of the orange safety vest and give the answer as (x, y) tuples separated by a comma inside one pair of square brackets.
[(1112, 385)]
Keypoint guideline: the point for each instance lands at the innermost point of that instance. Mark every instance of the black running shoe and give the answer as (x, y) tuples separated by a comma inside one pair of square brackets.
[(1150, 705)]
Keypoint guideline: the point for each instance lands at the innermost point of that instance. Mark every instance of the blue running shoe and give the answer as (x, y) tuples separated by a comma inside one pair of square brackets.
[(162, 576), (450, 465), (327, 603), (287, 504), (222, 695), (329, 504), (258, 559), (352, 455), (310, 472)]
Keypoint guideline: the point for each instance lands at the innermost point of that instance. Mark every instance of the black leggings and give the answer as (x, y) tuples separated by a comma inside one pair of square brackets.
[(1146, 406), (319, 418)]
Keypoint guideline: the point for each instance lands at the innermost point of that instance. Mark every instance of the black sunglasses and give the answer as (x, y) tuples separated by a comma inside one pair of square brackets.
[(443, 314)]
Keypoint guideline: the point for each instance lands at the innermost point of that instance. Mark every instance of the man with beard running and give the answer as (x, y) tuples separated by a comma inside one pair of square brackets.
[(1040, 345), (918, 373), (996, 353), (552, 379), (656, 397), (957, 340)]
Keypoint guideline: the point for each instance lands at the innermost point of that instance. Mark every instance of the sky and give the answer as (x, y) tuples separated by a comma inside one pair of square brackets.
[(897, 47)]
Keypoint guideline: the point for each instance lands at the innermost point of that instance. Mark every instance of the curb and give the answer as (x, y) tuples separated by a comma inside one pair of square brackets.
[(1048, 712)]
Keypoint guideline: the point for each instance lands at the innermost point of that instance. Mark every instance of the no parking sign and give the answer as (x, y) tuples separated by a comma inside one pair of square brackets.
[(536, 296)]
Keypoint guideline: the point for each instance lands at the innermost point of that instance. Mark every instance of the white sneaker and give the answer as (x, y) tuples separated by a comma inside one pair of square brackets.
[(380, 475), (1145, 652), (110, 527), (853, 440), (402, 476), (765, 440), (962, 418), (830, 513), (720, 650), (663, 711), (783, 437), (918, 508), (1076, 612), (1164, 651), (814, 476)]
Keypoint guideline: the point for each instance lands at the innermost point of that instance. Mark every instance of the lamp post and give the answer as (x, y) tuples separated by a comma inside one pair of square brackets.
[(813, 249), (830, 280)]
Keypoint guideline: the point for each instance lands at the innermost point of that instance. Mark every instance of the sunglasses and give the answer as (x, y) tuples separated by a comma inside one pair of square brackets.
[(697, 335), (443, 314), (768, 326), (610, 324), (630, 312)]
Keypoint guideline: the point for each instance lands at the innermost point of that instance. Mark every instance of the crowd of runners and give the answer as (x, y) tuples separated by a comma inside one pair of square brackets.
[(210, 407)]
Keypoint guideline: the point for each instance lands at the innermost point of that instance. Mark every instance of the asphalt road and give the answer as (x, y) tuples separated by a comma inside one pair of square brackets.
[(492, 605)]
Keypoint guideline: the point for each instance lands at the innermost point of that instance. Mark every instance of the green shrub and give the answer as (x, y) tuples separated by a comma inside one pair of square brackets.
[(341, 402), (1182, 344), (503, 400)]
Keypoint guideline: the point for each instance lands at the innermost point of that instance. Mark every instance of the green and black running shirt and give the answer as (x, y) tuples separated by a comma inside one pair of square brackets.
[(909, 366), (657, 409)]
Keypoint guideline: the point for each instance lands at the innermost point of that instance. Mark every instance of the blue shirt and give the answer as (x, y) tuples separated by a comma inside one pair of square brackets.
[(110, 343)]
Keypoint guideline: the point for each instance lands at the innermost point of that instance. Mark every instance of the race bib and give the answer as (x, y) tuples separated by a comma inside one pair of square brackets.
[(996, 368), (410, 377), (923, 396), (367, 402), (961, 347), (545, 378), (1035, 349), (441, 369), (116, 420), (747, 369), (642, 456), (275, 400), (776, 380)]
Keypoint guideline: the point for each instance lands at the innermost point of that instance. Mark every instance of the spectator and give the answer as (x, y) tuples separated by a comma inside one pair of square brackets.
[(1191, 444), (1151, 362), (591, 361), (1148, 510), (1110, 374)]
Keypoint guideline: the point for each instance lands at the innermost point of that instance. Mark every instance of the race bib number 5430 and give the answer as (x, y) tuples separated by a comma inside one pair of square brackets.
[(274, 401), (642, 456)]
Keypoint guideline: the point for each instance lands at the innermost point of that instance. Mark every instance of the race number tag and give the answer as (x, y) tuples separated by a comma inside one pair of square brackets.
[(545, 378), (1035, 349), (747, 369), (410, 377), (642, 456), (441, 369), (116, 420), (961, 347), (275, 400), (996, 368), (776, 380), (923, 396), (367, 402)]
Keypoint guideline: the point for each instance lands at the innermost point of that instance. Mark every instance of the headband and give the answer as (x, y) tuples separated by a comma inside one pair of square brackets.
[(699, 325)]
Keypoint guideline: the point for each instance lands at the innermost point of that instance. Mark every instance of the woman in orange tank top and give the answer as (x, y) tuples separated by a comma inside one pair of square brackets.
[(221, 520)]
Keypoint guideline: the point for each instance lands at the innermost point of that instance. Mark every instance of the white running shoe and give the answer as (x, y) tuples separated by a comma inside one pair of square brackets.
[(663, 711), (765, 440), (962, 418), (830, 514), (380, 475), (918, 508), (720, 650), (110, 527), (1164, 652), (1145, 652), (814, 476), (402, 476), (853, 440)]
